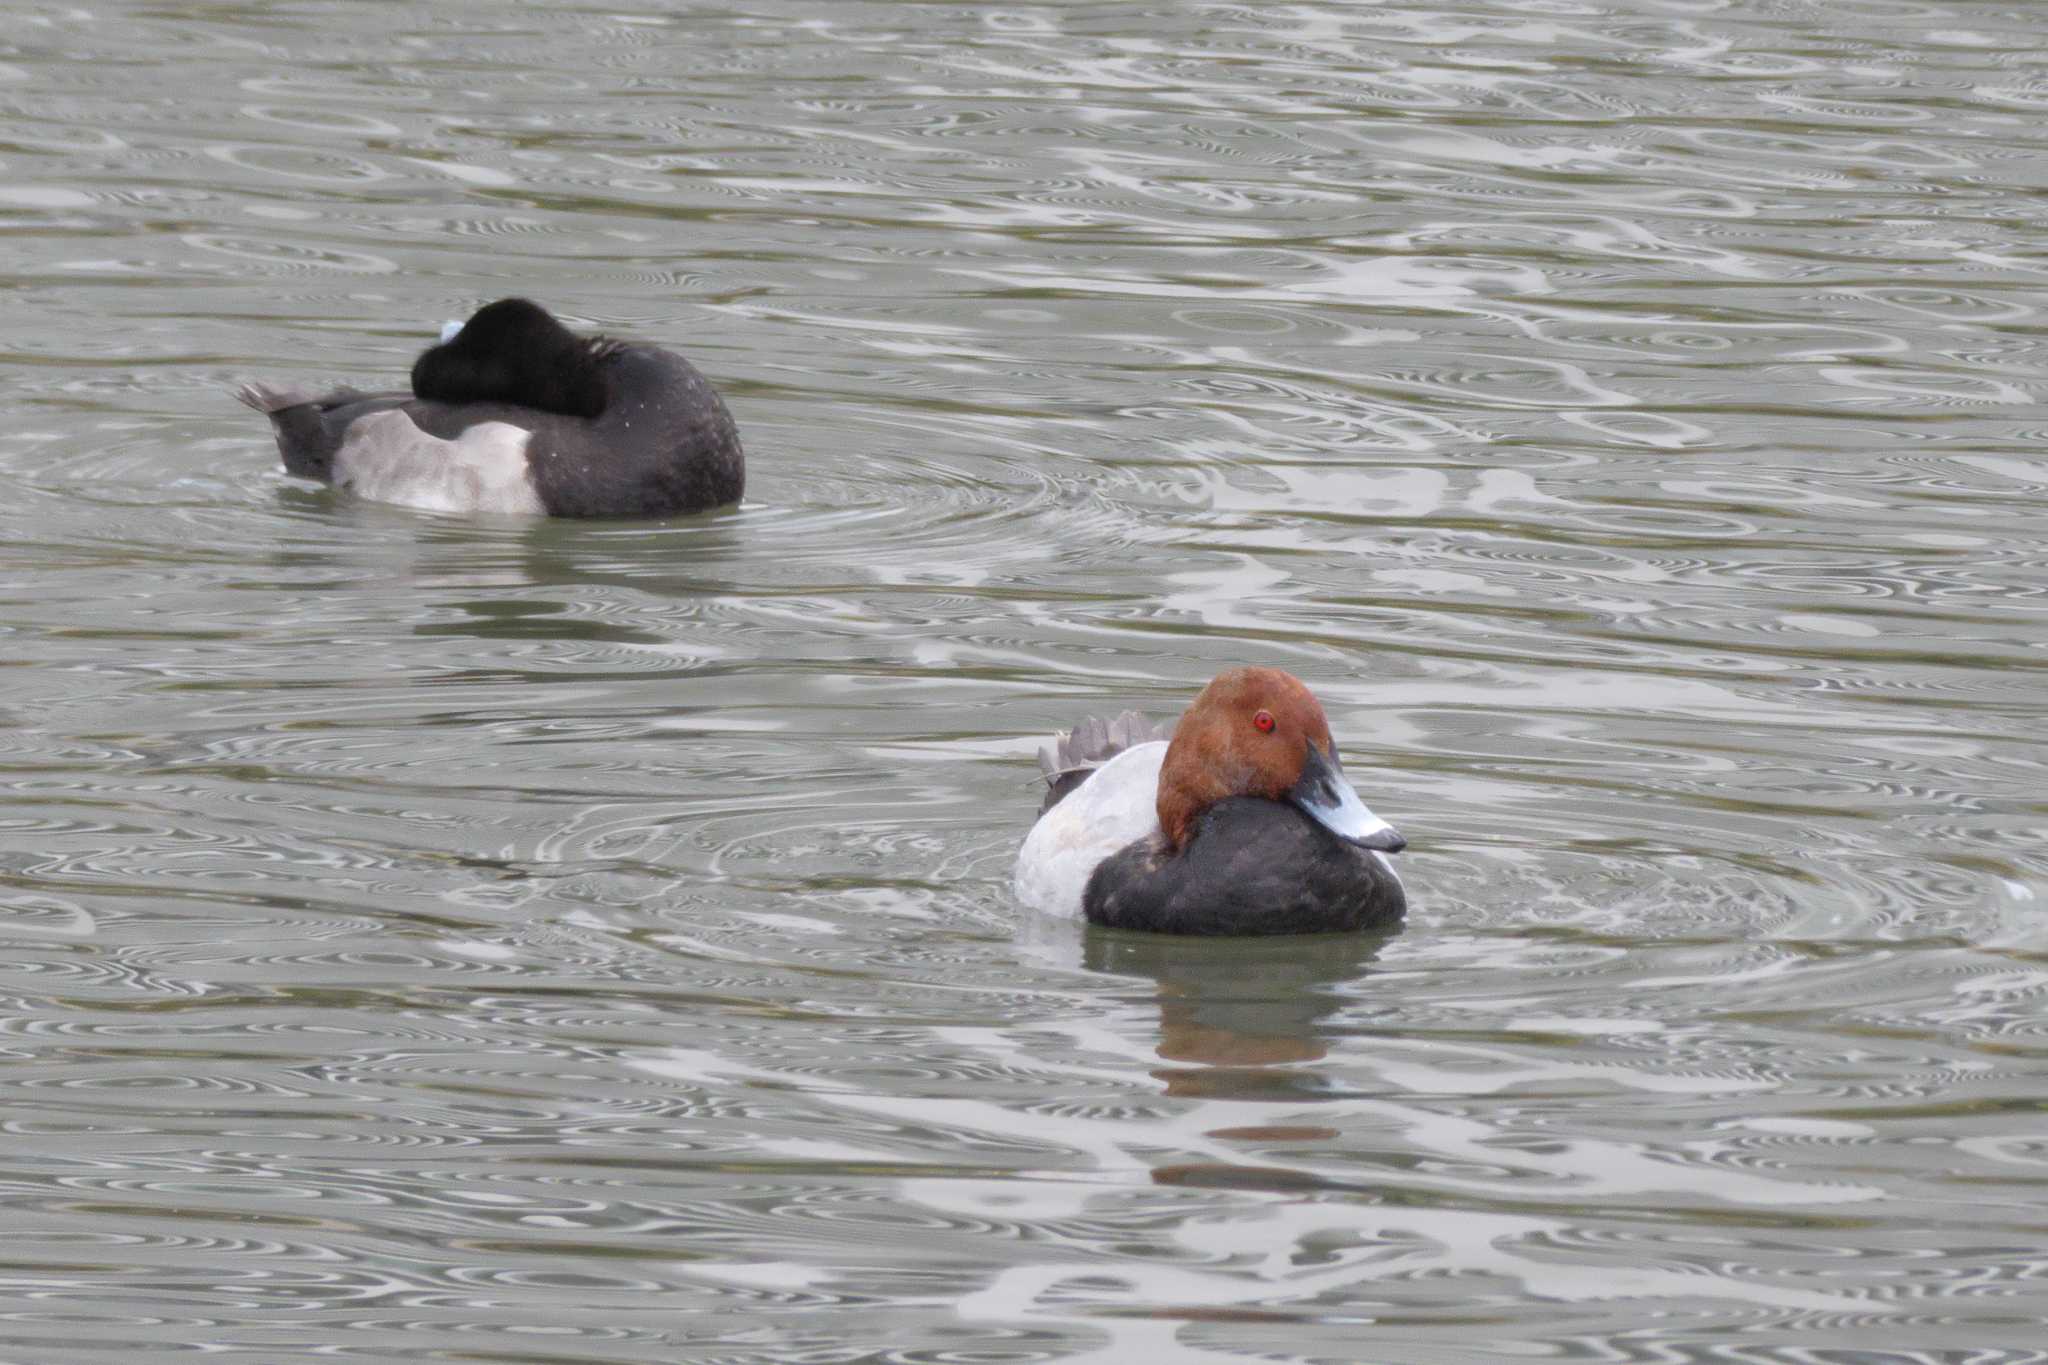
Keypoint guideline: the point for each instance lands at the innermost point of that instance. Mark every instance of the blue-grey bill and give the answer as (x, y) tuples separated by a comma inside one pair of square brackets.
[(1327, 796)]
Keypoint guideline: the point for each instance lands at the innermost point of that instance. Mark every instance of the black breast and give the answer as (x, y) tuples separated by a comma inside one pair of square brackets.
[(1251, 867)]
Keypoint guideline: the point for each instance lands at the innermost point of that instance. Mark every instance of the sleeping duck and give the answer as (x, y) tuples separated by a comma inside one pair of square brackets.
[(1242, 823), (513, 412)]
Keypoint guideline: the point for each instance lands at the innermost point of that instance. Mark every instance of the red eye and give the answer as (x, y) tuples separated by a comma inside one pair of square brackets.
[(1264, 721)]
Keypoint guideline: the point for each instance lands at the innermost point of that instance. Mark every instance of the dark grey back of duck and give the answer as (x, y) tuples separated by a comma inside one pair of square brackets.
[(663, 444)]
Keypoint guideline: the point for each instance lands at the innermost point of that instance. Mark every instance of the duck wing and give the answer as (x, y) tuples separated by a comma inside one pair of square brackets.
[(1074, 754)]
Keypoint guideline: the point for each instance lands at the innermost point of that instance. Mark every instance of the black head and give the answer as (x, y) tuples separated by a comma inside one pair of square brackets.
[(513, 351)]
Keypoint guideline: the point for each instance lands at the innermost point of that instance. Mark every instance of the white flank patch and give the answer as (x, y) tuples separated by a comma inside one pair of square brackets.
[(1115, 806), (387, 458)]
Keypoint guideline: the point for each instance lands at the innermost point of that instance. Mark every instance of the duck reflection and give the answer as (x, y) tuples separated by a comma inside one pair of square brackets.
[(1244, 1011), (565, 567)]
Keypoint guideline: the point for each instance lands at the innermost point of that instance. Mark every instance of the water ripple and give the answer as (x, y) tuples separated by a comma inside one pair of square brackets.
[(591, 943)]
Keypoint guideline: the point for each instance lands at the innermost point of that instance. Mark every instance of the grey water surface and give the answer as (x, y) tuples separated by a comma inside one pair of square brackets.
[(426, 939)]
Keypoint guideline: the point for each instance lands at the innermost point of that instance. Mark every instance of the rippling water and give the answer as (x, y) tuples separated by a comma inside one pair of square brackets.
[(431, 939)]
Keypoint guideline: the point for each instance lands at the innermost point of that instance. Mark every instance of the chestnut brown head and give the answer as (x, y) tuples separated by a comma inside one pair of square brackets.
[(1260, 732)]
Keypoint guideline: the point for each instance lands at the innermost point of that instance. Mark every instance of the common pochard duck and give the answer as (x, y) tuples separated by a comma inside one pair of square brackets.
[(1241, 823), (513, 412)]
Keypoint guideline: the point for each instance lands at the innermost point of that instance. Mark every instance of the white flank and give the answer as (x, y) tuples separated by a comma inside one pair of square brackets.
[(1115, 806), (387, 458)]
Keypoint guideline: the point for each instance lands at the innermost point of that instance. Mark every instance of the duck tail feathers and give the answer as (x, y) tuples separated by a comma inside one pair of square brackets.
[(271, 398)]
